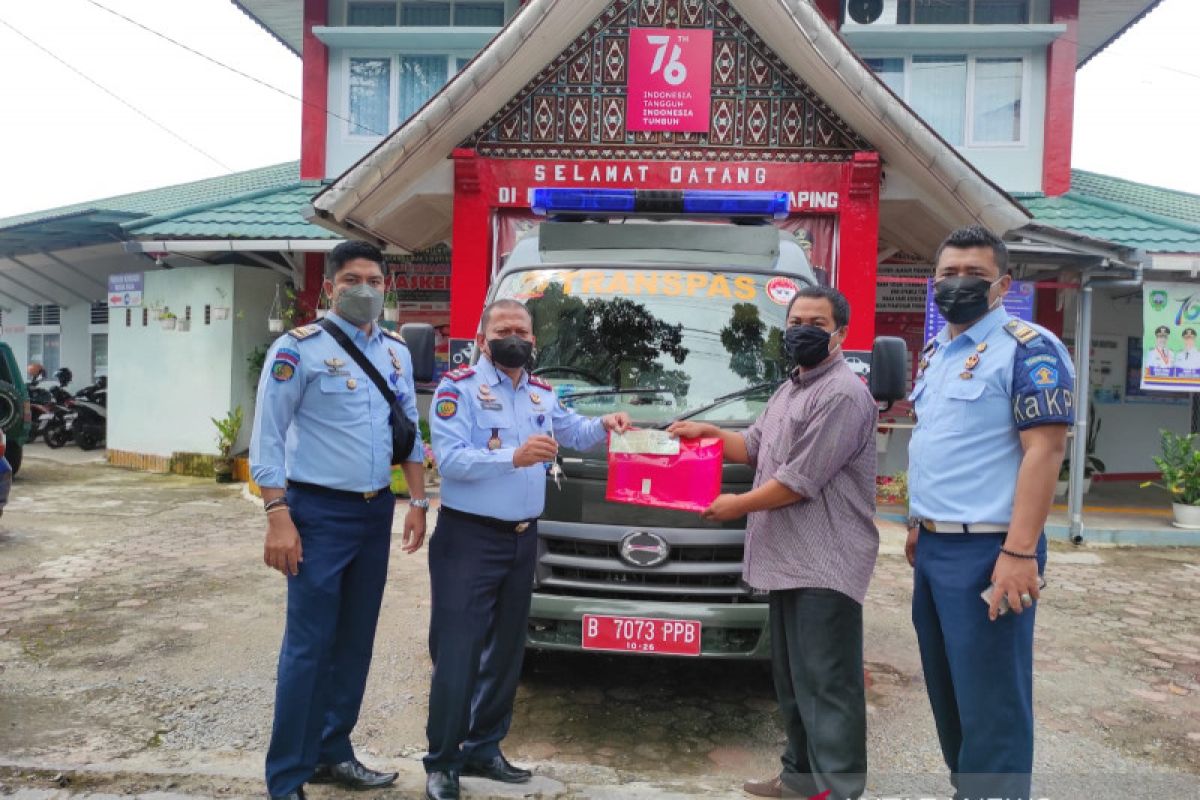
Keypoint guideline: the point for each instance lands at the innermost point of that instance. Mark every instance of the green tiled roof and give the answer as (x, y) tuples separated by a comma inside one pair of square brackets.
[(1136, 215), (274, 214), (1137, 196), (173, 199)]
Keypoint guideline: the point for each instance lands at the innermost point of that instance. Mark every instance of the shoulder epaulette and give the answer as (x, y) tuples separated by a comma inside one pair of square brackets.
[(459, 374), (541, 384), (1020, 331), (929, 347), (304, 332), (393, 335)]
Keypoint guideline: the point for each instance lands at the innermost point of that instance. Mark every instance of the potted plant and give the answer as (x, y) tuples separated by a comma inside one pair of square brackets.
[(391, 306), (275, 313), (167, 319), (1180, 468), (228, 429)]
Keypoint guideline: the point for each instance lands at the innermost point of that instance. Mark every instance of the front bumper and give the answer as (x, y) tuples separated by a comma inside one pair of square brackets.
[(738, 631)]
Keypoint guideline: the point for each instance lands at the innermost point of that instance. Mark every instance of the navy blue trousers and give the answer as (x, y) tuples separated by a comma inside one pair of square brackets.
[(481, 580), (332, 608), (979, 674)]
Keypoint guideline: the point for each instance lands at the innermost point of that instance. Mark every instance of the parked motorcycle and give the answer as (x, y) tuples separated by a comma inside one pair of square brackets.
[(90, 425), (57, 420)]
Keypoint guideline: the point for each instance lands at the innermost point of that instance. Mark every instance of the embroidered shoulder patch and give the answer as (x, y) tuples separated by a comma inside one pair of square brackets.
[(304, 332), (446, 405)]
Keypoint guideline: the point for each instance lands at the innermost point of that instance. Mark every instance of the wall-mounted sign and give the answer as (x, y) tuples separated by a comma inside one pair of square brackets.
[(670, 79), (1170, 320), (125, 289)]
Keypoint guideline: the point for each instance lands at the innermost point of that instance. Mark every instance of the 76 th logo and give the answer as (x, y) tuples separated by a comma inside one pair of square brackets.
[(675, 72)]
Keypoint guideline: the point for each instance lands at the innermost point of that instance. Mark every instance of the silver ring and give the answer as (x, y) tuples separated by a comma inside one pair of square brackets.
[(1026, 599)]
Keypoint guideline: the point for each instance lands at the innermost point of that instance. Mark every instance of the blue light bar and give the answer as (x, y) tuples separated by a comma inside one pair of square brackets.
[(582, 201), (601, 202), (737, 204)]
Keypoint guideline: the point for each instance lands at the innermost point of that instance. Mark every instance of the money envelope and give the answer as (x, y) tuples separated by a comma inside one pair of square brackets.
[(649, 468)]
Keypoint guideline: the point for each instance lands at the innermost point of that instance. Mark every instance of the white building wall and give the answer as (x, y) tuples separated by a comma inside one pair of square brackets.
[(166, 386), (76, 341)]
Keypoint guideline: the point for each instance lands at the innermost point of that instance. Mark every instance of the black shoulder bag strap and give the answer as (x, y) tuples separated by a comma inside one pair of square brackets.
[(404, 432)]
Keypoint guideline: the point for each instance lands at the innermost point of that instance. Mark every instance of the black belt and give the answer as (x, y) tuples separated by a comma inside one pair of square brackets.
[(504, 525), (313, 488)]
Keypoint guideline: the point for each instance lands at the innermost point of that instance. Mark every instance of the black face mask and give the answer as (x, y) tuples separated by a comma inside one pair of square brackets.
[(806, 345), (511, 351), (962, 298)]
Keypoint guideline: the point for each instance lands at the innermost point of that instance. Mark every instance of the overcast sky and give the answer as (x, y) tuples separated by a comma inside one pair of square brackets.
[(63, 140)]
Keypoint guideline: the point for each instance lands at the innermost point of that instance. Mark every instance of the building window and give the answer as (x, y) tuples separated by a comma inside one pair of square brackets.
[(425, 14), (967, 12), (371, 15), (996, 101), (44, 348), (45, 315), (968, 100), (99, 314), (479, 15), (99, 355), (420, 79), (370, 93)]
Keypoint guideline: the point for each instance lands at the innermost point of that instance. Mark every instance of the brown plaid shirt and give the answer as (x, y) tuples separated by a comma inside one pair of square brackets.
[(817, 437)]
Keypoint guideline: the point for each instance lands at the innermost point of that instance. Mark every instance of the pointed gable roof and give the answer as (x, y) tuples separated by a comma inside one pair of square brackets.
[(400, 192)]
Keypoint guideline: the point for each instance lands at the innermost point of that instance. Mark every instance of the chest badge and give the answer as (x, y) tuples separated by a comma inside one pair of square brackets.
[(966, 375), (536, 398), (334, 363), (972, 361), (981, 347), (396, 365), (351, 384), (494, 441)]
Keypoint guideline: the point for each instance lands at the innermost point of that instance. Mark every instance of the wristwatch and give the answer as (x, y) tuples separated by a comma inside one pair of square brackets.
[(913, 522), (423, 503)]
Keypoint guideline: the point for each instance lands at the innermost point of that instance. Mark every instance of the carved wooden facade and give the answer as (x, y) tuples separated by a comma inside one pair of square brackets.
[(575, 107)]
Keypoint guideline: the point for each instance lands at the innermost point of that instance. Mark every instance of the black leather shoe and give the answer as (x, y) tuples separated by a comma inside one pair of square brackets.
[(353, 775), (497, 769), (441, 786), (296, 795)]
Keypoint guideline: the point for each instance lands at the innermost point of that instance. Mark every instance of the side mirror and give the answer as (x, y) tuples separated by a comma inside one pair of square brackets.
[(420, 339), (888, 381)]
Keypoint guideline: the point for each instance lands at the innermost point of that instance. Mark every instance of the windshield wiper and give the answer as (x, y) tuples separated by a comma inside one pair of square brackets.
[(599, 392), (722, 400)]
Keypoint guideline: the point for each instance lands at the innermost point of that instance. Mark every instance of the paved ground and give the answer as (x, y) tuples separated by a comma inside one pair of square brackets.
[(138, 633)]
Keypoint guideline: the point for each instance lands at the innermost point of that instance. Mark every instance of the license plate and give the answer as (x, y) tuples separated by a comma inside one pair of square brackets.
[(680, 637)]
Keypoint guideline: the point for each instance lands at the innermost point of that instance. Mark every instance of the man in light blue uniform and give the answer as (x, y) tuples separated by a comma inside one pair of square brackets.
[(494, 429), (321, 429), (993, 399)]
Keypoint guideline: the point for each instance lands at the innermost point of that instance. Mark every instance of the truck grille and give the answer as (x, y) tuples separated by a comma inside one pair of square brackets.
[(692, 573)]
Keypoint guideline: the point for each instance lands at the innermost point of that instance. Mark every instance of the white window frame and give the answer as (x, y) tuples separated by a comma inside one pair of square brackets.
[(393, 94), (969, 140), (394, 84)]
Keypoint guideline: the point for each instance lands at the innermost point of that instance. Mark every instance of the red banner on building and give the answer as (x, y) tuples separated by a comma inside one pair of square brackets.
[(670, 79)]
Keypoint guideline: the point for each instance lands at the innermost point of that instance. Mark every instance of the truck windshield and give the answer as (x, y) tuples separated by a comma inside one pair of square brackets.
[(656, 342)]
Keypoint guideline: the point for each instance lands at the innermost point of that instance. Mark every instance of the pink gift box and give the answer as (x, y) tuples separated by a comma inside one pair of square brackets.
[(689, 481)]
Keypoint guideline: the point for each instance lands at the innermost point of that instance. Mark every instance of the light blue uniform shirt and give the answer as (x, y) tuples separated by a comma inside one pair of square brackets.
[(966, 449), (320, 419), (463, 419)]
